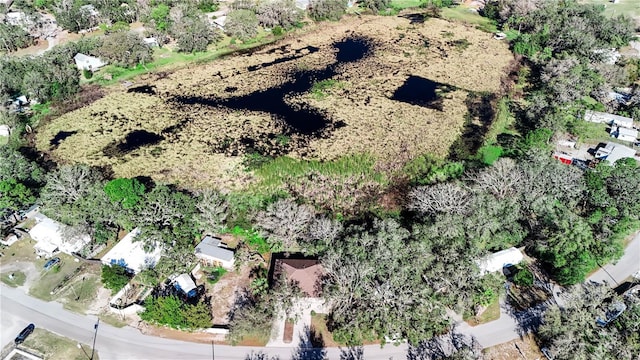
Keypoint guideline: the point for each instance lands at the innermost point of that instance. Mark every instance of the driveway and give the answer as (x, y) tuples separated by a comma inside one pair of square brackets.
[(301, 330)]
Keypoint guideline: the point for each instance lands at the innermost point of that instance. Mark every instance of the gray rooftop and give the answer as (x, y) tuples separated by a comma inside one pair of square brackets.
[(211, 246)]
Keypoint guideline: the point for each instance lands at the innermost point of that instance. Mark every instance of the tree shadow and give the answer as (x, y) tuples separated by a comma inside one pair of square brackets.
[(352, 353), (528, 321), (311, 346), (444, 346), (478, 120)]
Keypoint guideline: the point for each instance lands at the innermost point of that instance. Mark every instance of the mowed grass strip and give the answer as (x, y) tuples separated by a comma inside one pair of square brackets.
[(56, 347)]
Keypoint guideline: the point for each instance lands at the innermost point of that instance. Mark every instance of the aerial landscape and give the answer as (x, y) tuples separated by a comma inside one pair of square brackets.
[(319, 179)]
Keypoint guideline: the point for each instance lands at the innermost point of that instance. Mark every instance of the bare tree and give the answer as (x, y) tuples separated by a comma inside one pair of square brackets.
[(502, 179), (70, 183), (285, 222), (441, 198)]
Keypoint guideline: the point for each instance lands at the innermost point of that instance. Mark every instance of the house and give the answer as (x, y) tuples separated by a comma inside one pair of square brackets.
[(305, 273), (613, 152), (131, 254), (302, 4), (624, 134), (497, 261), (186, 285), (219, 22), (86, 62), (151, 42), (606, 118), (50, 238), (213, 252)]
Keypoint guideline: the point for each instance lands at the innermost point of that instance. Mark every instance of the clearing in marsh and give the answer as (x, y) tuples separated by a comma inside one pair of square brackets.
[(370, 84)]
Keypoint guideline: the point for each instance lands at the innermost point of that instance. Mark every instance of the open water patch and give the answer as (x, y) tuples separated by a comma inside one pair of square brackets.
[(419, 91), (299, 119), (132, 141), (60, 137)]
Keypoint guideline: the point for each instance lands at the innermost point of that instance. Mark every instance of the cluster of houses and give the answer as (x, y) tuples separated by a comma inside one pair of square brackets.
[(621, 128)]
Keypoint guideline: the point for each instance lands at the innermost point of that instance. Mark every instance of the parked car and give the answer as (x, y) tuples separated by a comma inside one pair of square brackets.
[(24, 333), (51, 263)]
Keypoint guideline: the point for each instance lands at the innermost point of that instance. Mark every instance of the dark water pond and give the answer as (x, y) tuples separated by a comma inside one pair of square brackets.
[(300, 118), (134, 140), (419, 91), (60, 137)]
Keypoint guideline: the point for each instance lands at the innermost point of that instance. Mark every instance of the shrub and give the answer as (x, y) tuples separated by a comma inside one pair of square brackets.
[(173, 312), (283, 13), (376, 5), (524, 277), (208, 5), (489, 154), (277, 30), (114, 277), (125, 49), (327, 9), (242, 24)]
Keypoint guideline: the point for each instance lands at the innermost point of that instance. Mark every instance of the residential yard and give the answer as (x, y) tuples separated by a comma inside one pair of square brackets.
[(13, 278), (193, 126), (223, 291), (54, 278), (81, 293), (623, 7), (525, 348), (491, 313), (21, 250), (56, 347)]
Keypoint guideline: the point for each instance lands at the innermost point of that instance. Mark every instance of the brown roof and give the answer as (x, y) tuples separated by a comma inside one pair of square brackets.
[(306, 273)]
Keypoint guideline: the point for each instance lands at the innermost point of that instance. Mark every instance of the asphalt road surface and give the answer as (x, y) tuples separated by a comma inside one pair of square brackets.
[(18, 310), (629, 264)]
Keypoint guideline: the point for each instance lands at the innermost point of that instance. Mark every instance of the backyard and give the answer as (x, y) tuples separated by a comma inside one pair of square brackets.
[(403, 83)]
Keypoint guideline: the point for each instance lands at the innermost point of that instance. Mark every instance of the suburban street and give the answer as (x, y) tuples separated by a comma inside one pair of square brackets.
[(629, 264), (19, 309)]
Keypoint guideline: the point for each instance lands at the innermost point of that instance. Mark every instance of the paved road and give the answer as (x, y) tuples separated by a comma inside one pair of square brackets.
[(628, 265), (17, 308)]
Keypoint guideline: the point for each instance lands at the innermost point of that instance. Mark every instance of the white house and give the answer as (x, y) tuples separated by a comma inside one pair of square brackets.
[(624, 134), (219, 22), (611, 119), (212, 251), (131, 254), (497, 261), (50, 239), (151, 42), (5, 130), (614, 152), (86, 62)]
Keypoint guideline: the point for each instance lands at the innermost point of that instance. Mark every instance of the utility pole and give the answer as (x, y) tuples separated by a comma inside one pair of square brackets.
[(95, 335), (213, 351)]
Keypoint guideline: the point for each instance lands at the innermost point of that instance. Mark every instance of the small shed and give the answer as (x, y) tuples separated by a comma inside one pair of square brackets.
[(5, 130), (151, 42), (213, 252), (219, 22), (497, 261), (185, 284), (624, 134), (613, 152), (131, 254), (86, 62)]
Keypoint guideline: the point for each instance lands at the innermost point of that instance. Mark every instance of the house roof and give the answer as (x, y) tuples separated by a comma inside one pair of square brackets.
[(48, 233), (88, 61), (185, 283), (597, 116), (500, 259), (613, 152), (627, 132), (305, 272), (131, 254), (212, 247)]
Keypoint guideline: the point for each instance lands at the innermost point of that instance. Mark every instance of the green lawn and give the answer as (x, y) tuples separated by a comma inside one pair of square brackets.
[(490, 314), (404, 4), (49, 280), (18, 278), (462, 14), (56, 347), (81, 294)]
